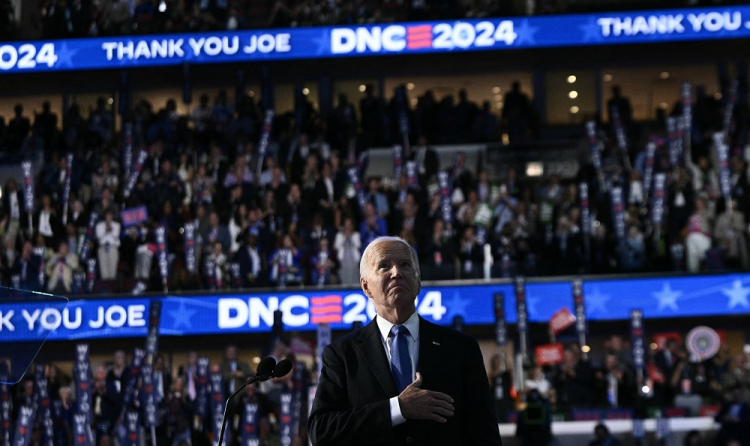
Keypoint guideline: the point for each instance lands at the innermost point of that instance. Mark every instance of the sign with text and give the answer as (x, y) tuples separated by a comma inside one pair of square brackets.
[(434, 37)]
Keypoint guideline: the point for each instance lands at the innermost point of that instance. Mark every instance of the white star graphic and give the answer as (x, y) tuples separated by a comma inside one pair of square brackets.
[(526, 33), (182, 316), (596, 301), (667, 297), (531, 305), (737, 295)]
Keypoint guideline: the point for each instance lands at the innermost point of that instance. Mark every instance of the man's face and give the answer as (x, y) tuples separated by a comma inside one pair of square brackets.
[(391, 279)]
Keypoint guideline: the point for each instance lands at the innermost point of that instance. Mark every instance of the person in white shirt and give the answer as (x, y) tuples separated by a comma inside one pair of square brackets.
[(108, 237)]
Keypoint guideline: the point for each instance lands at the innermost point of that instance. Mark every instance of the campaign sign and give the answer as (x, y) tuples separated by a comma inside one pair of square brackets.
[(561, 320), (549, 354), (134, 216), (703, 342)]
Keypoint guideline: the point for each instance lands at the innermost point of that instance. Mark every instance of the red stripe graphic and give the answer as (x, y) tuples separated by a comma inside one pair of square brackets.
[(326, 309), (323, 300), (419, 36), (326, 319)]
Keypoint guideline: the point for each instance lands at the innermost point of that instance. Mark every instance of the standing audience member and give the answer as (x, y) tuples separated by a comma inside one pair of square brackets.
[(108, 238)]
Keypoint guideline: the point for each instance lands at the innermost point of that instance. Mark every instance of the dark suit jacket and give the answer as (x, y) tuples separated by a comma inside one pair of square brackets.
[(351, 403)]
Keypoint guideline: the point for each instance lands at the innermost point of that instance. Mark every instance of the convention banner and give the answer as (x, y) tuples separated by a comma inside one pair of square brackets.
[(201, 388), (596, 157), (583, 198), (161, 254), (522, 314), (648, 168), (675, 138), (298, 376), (657, 203), (90, 274), (729, 109), (6, 406), (387, 39), (83, 413), (28, 186), (411, 174), (134, 173), (250, 425), (44, 404), (83, 251), (285, 423), (620, 134), (252, 311), (152, 337), (501, 334), (134, 373), (686, 97), (446, 210), (24, 426), (356, 183), (579, 306), (402, 108), (638, 341), (217, 407), (324, 338), (81, 430), (398, 161), (132, 429), (127, 147), (618, 217), (190, 259), (722, 156), (148, 396), (66, 190), (265, 137)]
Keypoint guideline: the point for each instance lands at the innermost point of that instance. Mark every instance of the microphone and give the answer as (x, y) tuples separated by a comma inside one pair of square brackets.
[(282, 368), (266, 366), (264, 372)]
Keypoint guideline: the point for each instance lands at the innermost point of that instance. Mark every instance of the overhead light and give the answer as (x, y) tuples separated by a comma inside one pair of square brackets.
[(585, 349), (410, 86), (362, 88), (110, 101), (664, 75), (162, 6), (413, 101), (534, 169), (496, 90), (573, 94), (498, 98), (571, 79), (663, 105), (305, 91), (607, 78), (717, 96), (574, 109)]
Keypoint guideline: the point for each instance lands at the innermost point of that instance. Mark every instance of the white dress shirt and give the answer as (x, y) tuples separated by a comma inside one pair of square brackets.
[(412, 324)]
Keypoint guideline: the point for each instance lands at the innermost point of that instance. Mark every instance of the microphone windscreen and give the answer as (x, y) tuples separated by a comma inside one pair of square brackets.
[(282, 368), (266, 366)]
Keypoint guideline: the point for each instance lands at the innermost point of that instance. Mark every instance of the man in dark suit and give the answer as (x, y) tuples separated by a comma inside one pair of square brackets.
[(401, 379)]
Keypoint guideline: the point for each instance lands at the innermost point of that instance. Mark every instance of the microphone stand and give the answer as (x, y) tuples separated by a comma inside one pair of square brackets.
[(253, 380)]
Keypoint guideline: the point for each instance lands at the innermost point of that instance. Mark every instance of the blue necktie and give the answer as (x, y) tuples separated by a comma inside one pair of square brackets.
[(400, 359)]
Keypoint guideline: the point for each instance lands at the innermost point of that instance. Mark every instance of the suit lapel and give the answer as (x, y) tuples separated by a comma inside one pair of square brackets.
[(372, 351), (430, 350)]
